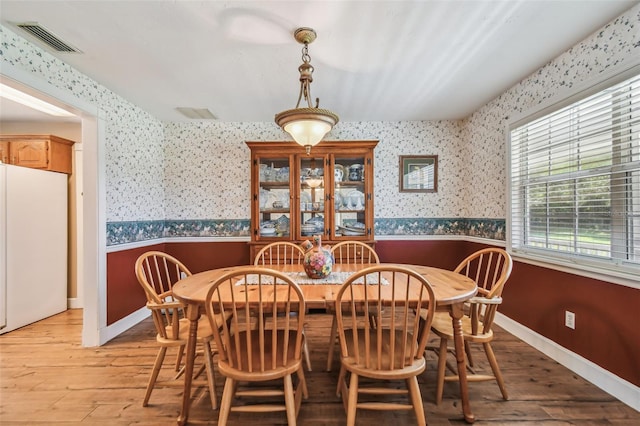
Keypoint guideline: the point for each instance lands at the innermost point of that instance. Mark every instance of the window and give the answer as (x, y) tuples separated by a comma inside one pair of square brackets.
[(575, 179)]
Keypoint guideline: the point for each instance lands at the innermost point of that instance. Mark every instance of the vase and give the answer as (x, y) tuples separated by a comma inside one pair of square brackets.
[(318, 261)]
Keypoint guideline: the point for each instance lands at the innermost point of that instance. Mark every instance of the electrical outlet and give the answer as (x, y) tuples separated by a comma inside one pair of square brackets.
[(570, 320)]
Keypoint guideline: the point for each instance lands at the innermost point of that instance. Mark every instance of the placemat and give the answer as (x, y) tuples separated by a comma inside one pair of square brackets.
[(303, 278)]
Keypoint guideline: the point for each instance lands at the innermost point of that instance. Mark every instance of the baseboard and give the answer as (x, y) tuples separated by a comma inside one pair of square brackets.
[(605, 380), (74, 303), (123, 325)]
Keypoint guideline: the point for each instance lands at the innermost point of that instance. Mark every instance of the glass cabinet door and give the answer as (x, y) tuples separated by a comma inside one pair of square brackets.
[(274, 197), (350, 196), (312, 195)]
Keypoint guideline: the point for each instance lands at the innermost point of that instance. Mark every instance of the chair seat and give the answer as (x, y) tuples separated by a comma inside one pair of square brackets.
[(412, 366), (204, 331), (239, 368), (443, 327)]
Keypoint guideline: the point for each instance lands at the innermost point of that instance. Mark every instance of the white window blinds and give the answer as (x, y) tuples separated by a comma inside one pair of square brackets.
[(575, 179)]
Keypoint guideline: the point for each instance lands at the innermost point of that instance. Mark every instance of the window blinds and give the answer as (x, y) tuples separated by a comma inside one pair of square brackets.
[(575, 178)]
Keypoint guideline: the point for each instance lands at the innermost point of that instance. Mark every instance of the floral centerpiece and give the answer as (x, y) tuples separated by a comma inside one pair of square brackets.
[(317, 261)]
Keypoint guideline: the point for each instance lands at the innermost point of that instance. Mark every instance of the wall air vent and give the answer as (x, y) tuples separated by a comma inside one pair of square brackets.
[(45, 36), (197, 113)]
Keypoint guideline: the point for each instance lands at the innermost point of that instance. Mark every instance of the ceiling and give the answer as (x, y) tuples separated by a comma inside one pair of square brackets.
[(373, 60)]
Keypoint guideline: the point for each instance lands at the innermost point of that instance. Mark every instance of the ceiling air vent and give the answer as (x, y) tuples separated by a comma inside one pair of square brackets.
[(197, 113), (45, 36)]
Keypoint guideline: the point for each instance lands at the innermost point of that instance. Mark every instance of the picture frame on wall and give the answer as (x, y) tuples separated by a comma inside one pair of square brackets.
[(418, 173)]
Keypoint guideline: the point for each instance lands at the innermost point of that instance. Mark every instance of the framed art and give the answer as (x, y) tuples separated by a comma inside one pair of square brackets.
[(418, 173)]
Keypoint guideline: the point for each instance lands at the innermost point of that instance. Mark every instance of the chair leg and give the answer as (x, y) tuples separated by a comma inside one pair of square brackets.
[(353, 400), (496, 370), (154, 374), (442, 363), (211, 378), (416, 400), (227, 397), (332, 341), (307, 358), (289, 400), (303, 383), (298, 396), (179, 357), (340, 379), (467, 350)]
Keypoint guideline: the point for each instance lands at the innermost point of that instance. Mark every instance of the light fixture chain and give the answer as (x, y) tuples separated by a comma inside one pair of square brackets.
[(307, 125), (306, 58)]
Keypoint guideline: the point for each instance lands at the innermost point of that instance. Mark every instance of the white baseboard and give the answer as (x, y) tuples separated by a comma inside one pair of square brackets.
[(74, 303), (605, 380), (123, 325)]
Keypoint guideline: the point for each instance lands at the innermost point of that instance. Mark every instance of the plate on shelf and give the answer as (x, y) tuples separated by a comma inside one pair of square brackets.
[(354, 200)]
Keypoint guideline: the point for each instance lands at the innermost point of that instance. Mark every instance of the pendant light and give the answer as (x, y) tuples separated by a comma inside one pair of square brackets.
[(308, 124)]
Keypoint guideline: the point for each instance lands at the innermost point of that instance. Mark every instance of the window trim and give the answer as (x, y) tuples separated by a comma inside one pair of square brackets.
[(617, 273)]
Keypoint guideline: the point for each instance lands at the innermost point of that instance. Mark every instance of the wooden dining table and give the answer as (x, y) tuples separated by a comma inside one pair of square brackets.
[(451, 290)]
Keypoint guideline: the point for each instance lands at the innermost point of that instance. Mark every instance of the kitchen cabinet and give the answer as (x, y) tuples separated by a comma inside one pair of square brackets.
[(45, 152), (295, 196), (4, 152)]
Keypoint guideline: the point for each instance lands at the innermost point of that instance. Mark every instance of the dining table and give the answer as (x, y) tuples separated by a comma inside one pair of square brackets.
[(450, 288)]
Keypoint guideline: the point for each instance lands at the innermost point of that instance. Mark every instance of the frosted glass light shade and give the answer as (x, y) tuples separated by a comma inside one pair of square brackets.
[(307, 132), (307, 126)]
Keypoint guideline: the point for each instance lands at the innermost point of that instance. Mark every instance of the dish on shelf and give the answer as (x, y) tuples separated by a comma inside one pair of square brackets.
[(282, 224), (352, 230), (269, 198), (354, 200), (268, 227), (356, 172), (317, 222), (338, 173), (268, 231), (337, 200)]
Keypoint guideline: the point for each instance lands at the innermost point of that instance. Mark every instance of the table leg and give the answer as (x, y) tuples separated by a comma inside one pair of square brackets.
[(456, 313), (193, 313)]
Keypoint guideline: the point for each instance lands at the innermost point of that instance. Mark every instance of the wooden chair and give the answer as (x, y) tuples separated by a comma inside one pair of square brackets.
[(262, 341), (157, 272), (349, 252), (490, 268), (390, 351), (283, 253), (279, 253)]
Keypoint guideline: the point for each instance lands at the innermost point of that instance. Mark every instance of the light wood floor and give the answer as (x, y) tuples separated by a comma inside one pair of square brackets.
[(47, 378)]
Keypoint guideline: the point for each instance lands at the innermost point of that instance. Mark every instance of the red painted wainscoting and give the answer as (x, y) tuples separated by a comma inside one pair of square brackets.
[(124, 294), (607, 315)]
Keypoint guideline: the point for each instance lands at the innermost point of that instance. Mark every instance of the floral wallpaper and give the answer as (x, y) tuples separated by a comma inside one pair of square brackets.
[(192, 179)]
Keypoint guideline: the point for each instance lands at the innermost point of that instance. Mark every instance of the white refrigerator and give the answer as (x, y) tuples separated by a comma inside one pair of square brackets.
[(33, 245)]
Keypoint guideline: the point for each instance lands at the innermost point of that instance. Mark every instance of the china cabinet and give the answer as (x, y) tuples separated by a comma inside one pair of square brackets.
[(46, 152), (295, 196)]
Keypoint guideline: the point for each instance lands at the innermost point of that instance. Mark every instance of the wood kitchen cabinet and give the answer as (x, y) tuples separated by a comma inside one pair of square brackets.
[(295, 196), (46, 152), (4, 151)]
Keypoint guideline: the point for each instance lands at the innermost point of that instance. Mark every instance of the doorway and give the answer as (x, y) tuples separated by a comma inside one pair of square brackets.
[(87, 288)]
